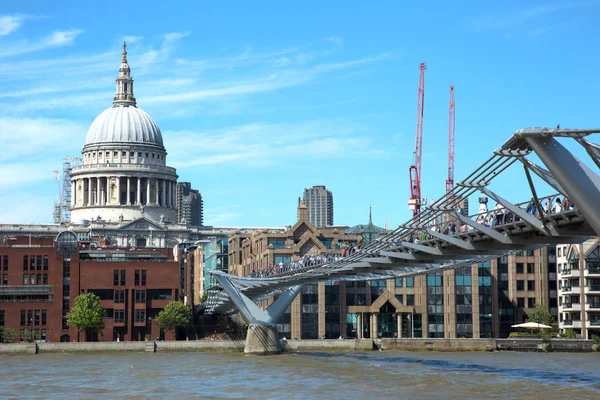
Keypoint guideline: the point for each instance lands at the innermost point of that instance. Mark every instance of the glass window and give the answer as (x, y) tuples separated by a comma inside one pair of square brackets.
[(25, 279), (399, 282), (530, 302), (25, 263), (45, 263), (123, 277), (530, 285), (410, 299), (530, 268), (519, 268), (137, 277), (143, 277), (410, 281), (39, 263), (520, 285)]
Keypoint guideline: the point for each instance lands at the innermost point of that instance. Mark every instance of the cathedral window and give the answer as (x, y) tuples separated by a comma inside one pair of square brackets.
[(116, 153), (140, 155), (131, 154)]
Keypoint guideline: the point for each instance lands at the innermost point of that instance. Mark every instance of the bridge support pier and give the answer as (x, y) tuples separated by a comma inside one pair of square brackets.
[(262, 337)]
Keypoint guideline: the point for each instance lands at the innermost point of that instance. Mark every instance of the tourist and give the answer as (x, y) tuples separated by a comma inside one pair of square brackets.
[(557, 206)]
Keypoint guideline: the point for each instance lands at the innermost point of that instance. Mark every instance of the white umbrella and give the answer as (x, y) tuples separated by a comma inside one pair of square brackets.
[(532, 325)]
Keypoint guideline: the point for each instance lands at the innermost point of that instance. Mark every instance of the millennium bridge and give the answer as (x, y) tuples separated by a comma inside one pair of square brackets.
[(440, 237)]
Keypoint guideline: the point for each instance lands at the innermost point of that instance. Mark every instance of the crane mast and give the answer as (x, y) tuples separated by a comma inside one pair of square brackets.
[(450, 180), (414, 171)]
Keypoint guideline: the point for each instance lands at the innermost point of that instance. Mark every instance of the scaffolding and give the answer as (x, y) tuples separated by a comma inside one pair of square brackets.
[(62, 208)]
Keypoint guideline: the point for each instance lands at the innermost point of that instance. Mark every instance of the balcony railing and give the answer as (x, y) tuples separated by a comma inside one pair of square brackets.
[(566, 288), (595, 322), (593, 305), (593, 288), (568, 322), (593, 270), (26, 290), (565, 271)]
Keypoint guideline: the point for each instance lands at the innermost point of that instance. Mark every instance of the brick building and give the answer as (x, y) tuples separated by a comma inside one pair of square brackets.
[(41, 277)]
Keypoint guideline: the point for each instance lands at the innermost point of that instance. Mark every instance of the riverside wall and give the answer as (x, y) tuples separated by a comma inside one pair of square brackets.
[(237, 346)]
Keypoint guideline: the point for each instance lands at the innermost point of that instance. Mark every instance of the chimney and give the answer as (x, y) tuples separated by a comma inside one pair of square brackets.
[(302, 211)]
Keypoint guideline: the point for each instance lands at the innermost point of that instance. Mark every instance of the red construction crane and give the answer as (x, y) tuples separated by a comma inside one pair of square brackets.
[(414, 171), (450, 180)]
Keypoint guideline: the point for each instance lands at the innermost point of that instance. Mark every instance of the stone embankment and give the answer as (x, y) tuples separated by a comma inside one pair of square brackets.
[(237, 346)]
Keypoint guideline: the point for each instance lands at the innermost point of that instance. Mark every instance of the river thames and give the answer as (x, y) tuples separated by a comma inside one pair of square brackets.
[(501, 375)]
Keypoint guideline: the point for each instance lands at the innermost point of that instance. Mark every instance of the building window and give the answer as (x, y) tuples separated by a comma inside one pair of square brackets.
[(410, 299), (520, 285), (116, 277), (530, 285), (399, 282), (37, 317), (45, 263), (119, 296), (140, 316), (119, 315), (25, 279), (25, 263), (410, 281), (1, 317), (137, 277), (277, 243), (39, 263), (32, 263), (530, 268), (520, 302), (44, 317), (38, 279), (400, 298), (5, 262), (43, 334), (559, 249), (123, 277), (5, 279), (143, 277), (45, 282), (23, 317), (519, 268), (32, 279), (140, 296), (531, 302)]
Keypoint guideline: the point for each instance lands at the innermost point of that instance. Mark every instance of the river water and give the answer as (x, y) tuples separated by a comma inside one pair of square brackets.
[(369, 375)]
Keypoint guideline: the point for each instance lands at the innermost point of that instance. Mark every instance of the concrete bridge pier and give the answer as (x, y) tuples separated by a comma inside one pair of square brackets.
[(262, 337)]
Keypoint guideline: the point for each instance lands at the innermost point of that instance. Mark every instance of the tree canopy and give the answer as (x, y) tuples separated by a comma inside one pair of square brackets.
[(540, 315), (87, 313), (174, 315)]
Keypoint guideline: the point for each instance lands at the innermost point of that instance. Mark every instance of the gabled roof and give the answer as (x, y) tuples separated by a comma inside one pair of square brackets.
[(142, 223)]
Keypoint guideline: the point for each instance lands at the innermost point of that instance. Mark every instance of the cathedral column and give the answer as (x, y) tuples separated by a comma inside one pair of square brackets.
[(89, 187), (173, 188), (73, 194), (156, 191), (118, 190), (128, 191), (164, 193), (97, 197), (139, 191), (168, 195), (147, 191)]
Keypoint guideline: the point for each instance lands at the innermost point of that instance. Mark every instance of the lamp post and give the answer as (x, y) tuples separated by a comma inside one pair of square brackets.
[(31, 328)]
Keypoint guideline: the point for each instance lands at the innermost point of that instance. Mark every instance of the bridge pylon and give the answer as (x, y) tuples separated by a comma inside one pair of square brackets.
[(262, 337)]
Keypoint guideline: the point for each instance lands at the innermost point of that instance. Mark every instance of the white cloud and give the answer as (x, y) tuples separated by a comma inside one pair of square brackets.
[(248, 144), (37, 137), (62, 38), (526, 15), (132, 39), (336, 40), (56, 39), (9, 24)]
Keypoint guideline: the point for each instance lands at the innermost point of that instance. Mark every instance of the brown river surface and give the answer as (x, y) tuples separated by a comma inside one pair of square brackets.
[(369, 375)]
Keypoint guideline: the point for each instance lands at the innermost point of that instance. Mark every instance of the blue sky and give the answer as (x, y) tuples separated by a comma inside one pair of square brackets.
[(258, 100)]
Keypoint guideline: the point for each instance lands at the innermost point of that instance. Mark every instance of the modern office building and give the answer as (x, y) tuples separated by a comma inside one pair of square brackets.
[(319, 202), (190, 208), (579, 288), (41, 277)]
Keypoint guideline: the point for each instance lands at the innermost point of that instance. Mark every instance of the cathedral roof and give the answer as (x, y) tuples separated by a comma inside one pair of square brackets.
[(124, 122)]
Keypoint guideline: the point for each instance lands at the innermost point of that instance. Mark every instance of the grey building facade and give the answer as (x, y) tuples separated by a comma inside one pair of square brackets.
[(190, 207), (319, 202)]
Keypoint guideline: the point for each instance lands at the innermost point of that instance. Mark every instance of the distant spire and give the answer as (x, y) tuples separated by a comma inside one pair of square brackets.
[(124, 59), (370, 219)]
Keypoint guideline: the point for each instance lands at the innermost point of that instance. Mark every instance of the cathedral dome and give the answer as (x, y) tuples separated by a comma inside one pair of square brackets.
[(120, 124)]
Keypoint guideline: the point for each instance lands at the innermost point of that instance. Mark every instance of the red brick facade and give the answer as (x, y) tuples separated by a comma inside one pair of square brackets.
[(38, 286)]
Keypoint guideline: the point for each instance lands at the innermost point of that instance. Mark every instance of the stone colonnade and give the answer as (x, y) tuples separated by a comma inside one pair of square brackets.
[(117, 190)]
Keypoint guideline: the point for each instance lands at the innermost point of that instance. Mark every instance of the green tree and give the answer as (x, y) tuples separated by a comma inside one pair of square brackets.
[(174, 315), (204, 297), (87, 314), (8, 335), (25, 335), (569, 334), (540, 315)]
